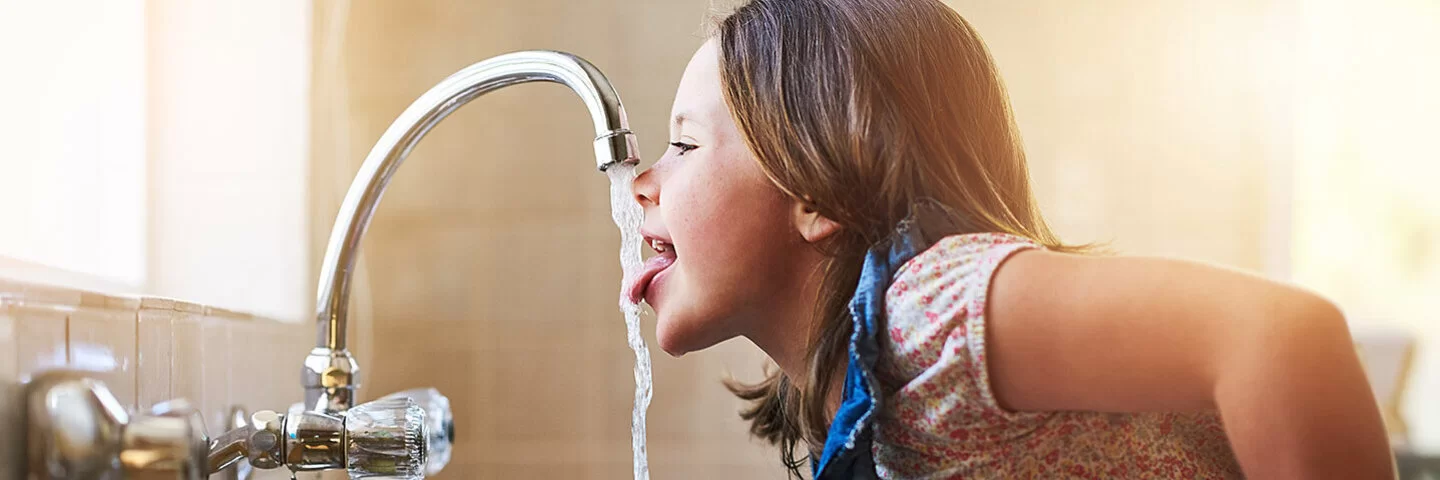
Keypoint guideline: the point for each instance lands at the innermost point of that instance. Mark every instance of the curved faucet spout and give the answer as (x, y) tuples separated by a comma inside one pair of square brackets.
[(330, 374)]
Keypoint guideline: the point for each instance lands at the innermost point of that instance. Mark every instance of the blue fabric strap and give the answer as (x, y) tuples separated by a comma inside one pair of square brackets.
[(847, 453)]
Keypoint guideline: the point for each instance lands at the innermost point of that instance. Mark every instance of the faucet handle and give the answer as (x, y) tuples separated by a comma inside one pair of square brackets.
[(386, 439), (169, 443), (440, 424), (76, 429)]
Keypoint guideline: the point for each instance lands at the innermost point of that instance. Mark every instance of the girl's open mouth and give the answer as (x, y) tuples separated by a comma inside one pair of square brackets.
[(664, 258)]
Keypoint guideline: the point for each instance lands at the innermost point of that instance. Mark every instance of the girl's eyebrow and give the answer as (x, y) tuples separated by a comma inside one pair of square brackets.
[(679, 120)]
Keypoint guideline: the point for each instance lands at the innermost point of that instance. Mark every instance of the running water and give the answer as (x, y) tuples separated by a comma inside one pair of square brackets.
[(628, 216)]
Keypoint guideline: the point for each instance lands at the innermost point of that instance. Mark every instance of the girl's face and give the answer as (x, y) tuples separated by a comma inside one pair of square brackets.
[(729, 254)]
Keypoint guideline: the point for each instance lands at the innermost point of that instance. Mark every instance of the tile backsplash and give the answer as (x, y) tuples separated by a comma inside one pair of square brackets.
[(147, 350)]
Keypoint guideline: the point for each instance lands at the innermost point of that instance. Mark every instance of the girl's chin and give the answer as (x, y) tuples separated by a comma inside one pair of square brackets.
[(679, 336), (671, 341)]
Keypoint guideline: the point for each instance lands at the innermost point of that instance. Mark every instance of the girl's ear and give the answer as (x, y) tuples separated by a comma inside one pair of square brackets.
[(813, 226)]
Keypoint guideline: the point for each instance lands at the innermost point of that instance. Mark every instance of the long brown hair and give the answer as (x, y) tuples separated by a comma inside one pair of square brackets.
[(861, 108)]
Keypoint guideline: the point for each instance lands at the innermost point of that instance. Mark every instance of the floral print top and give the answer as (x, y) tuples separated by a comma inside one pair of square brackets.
[(944, 422)]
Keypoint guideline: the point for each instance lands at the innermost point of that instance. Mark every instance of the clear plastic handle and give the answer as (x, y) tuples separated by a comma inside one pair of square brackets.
[(439, 421), (386, 438)]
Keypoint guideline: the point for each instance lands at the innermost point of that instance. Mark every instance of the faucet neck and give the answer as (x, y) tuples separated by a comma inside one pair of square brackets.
[(613, 144), (330, 378)]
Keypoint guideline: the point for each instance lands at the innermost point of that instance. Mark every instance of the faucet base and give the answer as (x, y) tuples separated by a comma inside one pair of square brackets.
[(330, 378)]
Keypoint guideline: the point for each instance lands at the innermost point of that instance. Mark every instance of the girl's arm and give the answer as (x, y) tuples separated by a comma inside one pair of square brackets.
[(1115, 334)]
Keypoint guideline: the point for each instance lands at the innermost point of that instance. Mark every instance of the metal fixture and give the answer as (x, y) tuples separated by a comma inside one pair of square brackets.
[(239, 418), (330, 373), (75, 429), (385, 438)]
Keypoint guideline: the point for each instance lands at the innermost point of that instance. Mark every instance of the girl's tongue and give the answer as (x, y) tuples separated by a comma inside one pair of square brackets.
[(635, 290)]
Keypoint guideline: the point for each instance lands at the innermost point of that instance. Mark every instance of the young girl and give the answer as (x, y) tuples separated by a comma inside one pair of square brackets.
[(846, 189)]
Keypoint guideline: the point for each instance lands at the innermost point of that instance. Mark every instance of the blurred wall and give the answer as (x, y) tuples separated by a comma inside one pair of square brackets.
[(1367, 213), (1161, 128), (227, 140)]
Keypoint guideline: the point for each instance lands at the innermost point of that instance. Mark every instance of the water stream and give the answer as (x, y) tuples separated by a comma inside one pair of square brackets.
[(628, 216)]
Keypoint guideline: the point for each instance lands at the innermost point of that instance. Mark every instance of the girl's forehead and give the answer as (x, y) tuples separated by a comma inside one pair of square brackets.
[(698, 98), (704, 63)]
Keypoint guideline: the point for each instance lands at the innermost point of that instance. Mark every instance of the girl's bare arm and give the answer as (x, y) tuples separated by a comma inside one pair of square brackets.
[(1118, 334)]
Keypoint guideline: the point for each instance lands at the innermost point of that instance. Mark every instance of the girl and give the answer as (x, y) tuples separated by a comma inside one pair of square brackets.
[(846, 189)]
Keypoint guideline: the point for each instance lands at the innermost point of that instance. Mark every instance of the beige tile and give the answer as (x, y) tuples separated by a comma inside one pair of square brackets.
[(300, 339), (726, 471), (11, 428), (558, 382), (499, 285), (247, 368), (271, 349), (527, 470), (9, 342), (40, 338), (102, 338), (37, 295), (154, 351), (36, 337), (217, 348), (260, 366), (264, 369), (188, 357), (227, 314)]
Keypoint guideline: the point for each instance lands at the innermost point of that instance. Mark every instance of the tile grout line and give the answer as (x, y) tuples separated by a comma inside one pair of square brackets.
[(69, 360), (136, 324)]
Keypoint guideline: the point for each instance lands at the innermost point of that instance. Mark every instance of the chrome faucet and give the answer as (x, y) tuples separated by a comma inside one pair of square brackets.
[(330, 374), (77, 430)]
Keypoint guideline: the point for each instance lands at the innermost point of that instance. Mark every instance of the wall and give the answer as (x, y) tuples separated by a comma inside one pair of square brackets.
[(1367, 223), (227, 130), (74, 167), (146, 350), (1161, 128)]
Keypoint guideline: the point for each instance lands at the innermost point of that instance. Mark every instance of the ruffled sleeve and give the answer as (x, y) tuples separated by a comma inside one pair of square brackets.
[(935, 342)]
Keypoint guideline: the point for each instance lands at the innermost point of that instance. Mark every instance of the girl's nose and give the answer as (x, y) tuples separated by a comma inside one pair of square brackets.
[(647, 188)]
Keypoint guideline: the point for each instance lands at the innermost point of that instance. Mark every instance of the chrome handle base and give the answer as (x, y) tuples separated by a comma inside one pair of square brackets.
[(238, 469), (77, 430)]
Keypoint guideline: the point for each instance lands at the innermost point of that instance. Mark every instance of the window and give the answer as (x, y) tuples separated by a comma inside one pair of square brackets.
[(72, 175), (158, 147)]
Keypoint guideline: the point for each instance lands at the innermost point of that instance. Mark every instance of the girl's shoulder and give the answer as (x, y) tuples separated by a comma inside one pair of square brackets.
[(935, 310), (958, 250), (957, 265)]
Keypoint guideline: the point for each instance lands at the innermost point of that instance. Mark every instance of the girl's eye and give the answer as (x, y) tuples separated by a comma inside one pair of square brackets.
[(684, 147)]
